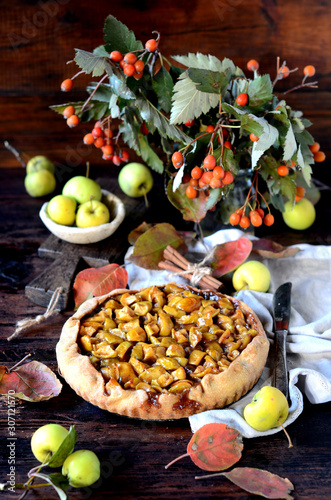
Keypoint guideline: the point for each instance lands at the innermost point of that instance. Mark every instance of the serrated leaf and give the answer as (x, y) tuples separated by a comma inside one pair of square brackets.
[(103, 92), (163, 85), (113, 106), (188, 102), (119, 86), (179, 177), (268, 137), (229, 255), (290, 144), (230, 161), (250, 125), (210, 81), (32, 382), (148, 154), (129, 129), (208, 62), (149, 247), (90, 63), (93, 282), (101, 51), (50, 480), (65, 449), (260, 91), (118, 36), (95, 111), (151, 114), (59, 108), (192, 209)]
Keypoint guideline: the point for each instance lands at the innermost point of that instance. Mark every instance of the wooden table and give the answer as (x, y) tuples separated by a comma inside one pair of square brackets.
[(133, 453)]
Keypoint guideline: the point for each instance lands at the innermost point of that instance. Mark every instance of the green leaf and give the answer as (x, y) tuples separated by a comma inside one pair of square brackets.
[(230, 161), (55, 483), (249, 124), (266, 140), (59, 108), (103, 92), (306, 169), (118, 36), (214, 197), (95, 111), (101, 51), (66, 448), (113, 106), (163, 86), (119, 86), (208, 62), (90, 63), (290, 145), (129, 129), (148, 154), (260, 91), (189, 102), (150, 114), (210, 81), (192, 209)]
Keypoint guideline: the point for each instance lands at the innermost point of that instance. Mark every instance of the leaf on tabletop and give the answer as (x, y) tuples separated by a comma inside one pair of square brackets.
[(54, 480), (135, 233), (192, 209), (32, 381), (229, 255), (94, 282), (260, 482), (149, 247), (272, 250)]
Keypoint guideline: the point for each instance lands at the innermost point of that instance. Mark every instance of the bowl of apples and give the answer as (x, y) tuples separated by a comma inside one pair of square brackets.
[(84, 213)]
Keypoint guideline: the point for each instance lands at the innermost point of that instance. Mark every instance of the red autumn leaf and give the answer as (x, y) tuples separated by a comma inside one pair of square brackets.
[(192, 209), (32, 381), (230, 255), (135, 233), (257, 481), (214, 447), (272, 250), (94, 282), (148, 250)]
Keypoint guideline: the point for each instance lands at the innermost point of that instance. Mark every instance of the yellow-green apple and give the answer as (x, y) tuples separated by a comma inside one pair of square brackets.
[(92, 213), (252, 275), (40, 183), (135, 180), (82, 468), (301, 215), (269, 408), (62, 210), (39, 163), (46, 441), (82, 189)]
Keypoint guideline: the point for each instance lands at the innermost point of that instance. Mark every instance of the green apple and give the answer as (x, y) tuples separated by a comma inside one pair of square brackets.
[(62, 210), (301, 215), (252, 275), (47, 440), (82, 189), (92, 213), (269, 408), (82, 468), (39, 163), (40, 183), (135, 180)]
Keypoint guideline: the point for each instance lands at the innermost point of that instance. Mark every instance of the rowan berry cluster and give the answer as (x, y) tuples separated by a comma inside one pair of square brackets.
[(256, 217), (131, 64)]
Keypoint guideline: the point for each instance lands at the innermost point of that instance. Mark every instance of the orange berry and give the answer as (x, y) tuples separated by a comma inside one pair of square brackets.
[(252, 65), (137, 76), (239, 211), (139, 65), (284, 72), (186, 178), (319, 156), (244, 222), (202, 184), (269, 220), (116, 56), (255, 218), (227, 144), (68, 111), (228, 177), (260, 211), (122, 63), (108, 133), (191, 192), (67, 85), (253, 137), (107, 149), (151, 45), (309, 70), (99, 142), (218, 172), (207, 177), (130, 58), (88, 139), (282, 170), (216, 183), (72, 121), (242, 99), (300, 192), (314, 147), (293, 164), (129, 69), (234, 219), (116, 160), (209, 162), (210, 128), (125, 157), (177, 159), (196, 172), (193, 182), (189, 123), (97, 132)]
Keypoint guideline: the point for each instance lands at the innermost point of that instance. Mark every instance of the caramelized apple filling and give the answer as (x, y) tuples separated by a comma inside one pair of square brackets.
[(164, 339)]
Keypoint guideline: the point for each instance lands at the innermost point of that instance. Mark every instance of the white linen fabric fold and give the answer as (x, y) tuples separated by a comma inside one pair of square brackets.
[(309, 338)]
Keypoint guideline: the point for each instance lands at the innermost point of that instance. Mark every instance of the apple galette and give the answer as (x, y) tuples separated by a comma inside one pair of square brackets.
[(162, 352)]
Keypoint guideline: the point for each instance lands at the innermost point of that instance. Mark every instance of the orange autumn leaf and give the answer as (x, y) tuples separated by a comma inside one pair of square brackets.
[(227, 256)]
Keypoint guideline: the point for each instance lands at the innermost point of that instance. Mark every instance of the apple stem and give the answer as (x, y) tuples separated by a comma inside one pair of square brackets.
[(290, 444), (18, 156), (87, 169), (19, 363), (146, 199)]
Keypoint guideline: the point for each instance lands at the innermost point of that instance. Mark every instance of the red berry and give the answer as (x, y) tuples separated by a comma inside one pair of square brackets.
[(227, 144), (253, 137), (129, 69), (255, 218), (196, 172), (189, 123), (242, 99), (67, 85), (309, 70), (225, 132), (143, 129), (191, 192), (228, 177), (68, 111), (122, 63), (260, 211), (107, 157), (72, 121), (116, 160), (88, 139), (99, 142), (216, 183), (234, 219), (193, 182), (139, 66), (151, 45), (209, 162), (107, 149), (210, 128), (137, 76), (207, 177), (108, 133), (218, 172), (125, 157), (130, 58), (177, 159), (282, 170), (269, 220), (319, 156), (314, 147), (116, 56), (252, 65), (97, 132)]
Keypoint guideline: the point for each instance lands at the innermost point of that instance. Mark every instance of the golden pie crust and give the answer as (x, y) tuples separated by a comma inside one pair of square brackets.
[(220, 387)]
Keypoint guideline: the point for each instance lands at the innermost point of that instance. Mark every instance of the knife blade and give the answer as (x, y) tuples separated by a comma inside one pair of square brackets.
[(281, 311)]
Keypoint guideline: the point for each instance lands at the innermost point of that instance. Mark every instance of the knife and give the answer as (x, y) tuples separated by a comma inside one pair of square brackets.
[(281, 311)]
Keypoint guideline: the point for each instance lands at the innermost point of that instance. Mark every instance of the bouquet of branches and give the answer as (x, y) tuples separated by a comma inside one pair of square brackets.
[(203, 122)]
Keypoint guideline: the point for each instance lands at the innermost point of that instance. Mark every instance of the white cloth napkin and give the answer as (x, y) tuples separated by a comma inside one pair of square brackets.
[(309, 339)]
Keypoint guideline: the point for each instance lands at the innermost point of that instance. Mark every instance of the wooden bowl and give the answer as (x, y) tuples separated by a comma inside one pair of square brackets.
[(83, 236)]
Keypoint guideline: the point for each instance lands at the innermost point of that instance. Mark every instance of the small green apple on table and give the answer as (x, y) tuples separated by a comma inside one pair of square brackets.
[(135, 180)]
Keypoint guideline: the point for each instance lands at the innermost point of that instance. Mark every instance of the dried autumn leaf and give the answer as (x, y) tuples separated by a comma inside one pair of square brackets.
[(257, 481), (192, 209), (272, 250), (148, 250), (32, 381), (94, 282), (214, 447), (230, 255), (135, 233)]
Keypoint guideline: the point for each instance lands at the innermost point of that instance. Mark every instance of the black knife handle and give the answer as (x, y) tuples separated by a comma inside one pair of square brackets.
[(280, 374)]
